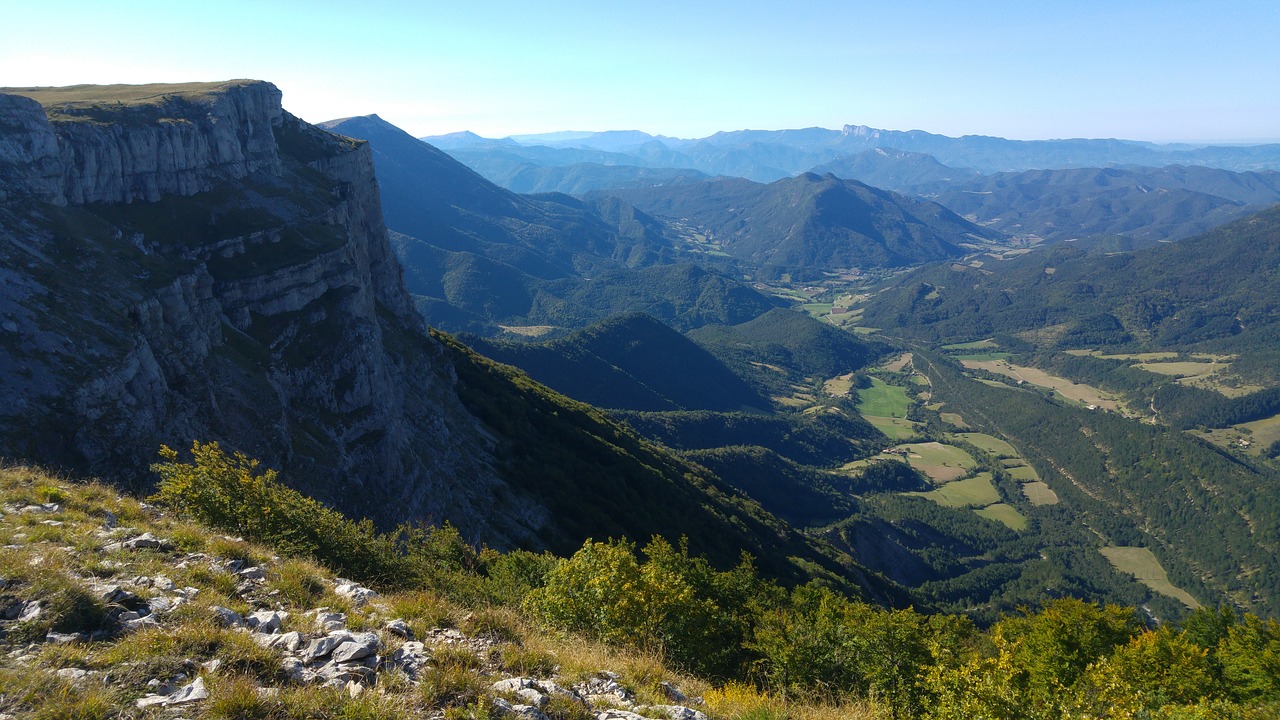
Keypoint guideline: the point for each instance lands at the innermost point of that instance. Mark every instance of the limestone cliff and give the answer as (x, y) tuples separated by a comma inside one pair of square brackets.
[(182, 262)]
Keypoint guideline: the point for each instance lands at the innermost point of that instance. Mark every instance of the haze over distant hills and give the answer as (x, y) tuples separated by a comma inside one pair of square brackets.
[(765, 155)]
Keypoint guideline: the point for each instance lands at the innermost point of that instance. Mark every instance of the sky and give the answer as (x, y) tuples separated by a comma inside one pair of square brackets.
[(1163, 71)]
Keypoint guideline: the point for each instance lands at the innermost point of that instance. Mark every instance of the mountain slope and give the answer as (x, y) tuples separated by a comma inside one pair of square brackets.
[(1213, 288), (631, 362), (897, 170), (432, 197), (812, 222), (1143, 203)]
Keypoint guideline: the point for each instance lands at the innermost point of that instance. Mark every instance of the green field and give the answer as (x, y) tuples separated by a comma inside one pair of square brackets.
[(976, 491), (893, 428), (975, 345), (883, 400), (1145, 566), (953, 419), (1039, 493), (990, 443), (1002, 513), (818, 309), (1025, 473)]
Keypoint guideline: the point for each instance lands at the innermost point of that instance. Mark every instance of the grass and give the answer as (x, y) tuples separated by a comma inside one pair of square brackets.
[(1024, 473), (898, 363), (736, 700), (883, 400), (839, 385), (1258, 435), (976, 491), (1145, 566), (975, 345), (124, 94), (984, 357), (1079, 392), (818, 310), (992, 444), (953, 419), (1181, 369), (940, 462), (893, 428), (1005, 514), (1039, 493)]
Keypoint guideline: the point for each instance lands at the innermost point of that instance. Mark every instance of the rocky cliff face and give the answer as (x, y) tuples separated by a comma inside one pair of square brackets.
[(131, 143), (182, 262)]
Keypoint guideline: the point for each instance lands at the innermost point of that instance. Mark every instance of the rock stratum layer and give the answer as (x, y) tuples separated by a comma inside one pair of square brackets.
[(191, 261)]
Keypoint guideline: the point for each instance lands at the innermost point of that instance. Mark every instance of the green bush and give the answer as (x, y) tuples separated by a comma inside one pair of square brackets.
[(229, 492)]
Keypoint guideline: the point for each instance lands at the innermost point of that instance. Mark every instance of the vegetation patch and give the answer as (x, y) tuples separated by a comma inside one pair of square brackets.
[(1005, 514), (1145, 566), (1024, 473), (975, 345), (953, 419), (941, 463), (1079, 392), (898, 364), (994, 445), (883, 400), (976, 491), (1039, 493)]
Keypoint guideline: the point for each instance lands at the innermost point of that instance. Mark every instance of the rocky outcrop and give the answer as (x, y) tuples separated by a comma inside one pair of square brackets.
[(164, 141), (199, 264)]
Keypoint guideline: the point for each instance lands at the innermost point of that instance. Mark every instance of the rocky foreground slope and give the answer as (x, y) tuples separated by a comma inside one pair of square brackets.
[(109, 608)]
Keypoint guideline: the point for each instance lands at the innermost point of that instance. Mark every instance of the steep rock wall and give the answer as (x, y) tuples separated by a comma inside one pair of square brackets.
[(206, 266), (173, 143)]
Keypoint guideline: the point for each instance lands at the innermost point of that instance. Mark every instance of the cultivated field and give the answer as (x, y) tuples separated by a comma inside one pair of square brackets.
[(954, 420), (976, 491), (893, 428), (1038, 493), (1024, 473), (941, 463), (1079, 392), (838, 386), (975, 345), (1145, 566), (898, 363), (1003, 513), (883, 400), (1251, 437), (990, 443)]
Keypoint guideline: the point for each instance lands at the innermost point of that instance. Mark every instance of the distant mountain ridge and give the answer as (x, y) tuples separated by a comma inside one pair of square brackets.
[(766, 155)]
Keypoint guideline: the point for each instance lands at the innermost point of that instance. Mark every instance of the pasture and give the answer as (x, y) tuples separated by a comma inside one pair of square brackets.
[(990, 443), (1145, 566), (976, 491), (883, 400), (1005, 514), (1038, 493)]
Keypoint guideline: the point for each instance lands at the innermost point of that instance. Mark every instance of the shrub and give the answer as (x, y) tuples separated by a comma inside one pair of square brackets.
[(229, 492)]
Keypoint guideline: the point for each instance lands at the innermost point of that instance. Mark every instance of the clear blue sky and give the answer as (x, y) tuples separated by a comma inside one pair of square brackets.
[(1147, 70)]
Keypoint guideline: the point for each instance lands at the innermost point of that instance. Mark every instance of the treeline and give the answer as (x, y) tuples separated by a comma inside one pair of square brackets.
[(1068, 659)]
